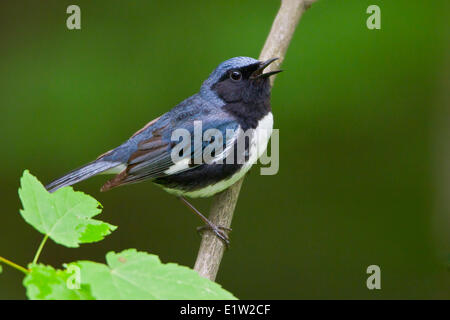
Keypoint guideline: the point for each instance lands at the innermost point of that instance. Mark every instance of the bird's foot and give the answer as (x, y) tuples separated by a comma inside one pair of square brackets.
[(219, 231)]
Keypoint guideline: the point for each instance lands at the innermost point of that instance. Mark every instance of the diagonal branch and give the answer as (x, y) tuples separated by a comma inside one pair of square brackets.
[(211, 248)]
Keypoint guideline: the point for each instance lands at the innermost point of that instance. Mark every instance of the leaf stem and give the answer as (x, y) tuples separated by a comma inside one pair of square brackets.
[(39, 250), (14, 265)]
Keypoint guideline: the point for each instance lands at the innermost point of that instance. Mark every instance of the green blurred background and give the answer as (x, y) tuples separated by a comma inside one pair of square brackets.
[(363, 118)]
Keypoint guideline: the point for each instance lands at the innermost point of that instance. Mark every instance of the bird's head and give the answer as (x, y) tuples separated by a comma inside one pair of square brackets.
[(240, 79)]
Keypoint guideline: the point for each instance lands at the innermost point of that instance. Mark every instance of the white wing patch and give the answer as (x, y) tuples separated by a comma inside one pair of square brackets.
[(178, 166), (183, 164), (222, 157)]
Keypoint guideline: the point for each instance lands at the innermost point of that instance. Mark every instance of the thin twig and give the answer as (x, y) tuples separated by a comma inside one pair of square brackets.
[(211, 248)]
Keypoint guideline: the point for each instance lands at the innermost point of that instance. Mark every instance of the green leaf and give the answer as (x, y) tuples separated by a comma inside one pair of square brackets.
[(139, 275), (65, 215), (45, 283), (1, 269)]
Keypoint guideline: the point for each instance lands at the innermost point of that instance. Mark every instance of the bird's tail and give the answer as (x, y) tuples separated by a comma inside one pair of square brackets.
[(83, 173)]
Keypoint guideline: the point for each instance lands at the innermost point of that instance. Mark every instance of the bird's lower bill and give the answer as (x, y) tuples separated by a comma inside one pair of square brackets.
[(258, 73)]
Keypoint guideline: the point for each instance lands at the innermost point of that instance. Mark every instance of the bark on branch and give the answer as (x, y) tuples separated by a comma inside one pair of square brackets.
[(211, 248)]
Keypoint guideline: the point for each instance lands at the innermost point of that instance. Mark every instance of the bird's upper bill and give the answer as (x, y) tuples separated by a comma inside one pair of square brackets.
[(258, 73)]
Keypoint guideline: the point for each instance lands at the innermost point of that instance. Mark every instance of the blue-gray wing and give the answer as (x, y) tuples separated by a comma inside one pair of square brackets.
[(169, 149)]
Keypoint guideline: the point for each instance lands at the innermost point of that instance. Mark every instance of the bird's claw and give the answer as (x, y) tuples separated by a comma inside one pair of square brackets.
[(219, 231)]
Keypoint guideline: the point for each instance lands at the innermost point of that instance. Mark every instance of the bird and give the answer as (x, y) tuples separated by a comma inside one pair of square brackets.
[(233, 100)]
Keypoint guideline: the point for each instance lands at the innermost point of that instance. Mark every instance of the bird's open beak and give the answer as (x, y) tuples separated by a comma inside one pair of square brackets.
[(258, 73)]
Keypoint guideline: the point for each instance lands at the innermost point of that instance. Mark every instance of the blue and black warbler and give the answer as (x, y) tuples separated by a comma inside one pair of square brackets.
[(236, 96)]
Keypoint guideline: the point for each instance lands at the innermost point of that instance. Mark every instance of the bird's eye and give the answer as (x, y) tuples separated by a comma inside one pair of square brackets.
[(235, 75)]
